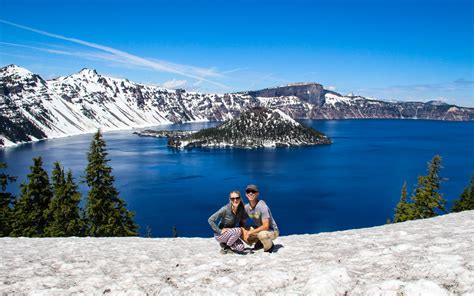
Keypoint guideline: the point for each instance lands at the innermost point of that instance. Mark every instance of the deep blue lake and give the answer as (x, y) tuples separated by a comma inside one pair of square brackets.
[(353, 183)]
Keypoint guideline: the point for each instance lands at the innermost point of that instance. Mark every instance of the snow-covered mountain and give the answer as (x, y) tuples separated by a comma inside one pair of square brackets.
[(33, 108), (254, 128), (423, 257)]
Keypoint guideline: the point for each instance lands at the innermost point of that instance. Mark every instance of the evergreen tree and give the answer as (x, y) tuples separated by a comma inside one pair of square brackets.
[(404, 210), (466, 200), (426, 199), (106, 212), (31, 215), (6, 202), (64, 207)]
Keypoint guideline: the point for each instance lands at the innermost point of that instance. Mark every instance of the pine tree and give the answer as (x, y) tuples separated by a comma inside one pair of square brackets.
[(6, 202), (466, 200), (31, 210), (404, 210), (426, 199), (64, 207), (106, 212)]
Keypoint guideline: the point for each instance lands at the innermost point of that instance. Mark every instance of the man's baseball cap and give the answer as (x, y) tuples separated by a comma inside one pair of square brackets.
[(252, 187)]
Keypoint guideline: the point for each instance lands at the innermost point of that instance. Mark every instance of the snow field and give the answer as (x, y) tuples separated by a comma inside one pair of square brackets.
[(425, 257)]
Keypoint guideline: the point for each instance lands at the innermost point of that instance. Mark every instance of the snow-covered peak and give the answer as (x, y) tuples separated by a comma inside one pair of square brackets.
[(15, 71), (85, 74), (88, 72)]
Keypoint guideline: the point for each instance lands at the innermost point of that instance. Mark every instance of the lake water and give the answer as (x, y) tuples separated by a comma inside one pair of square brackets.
[(353, 183)]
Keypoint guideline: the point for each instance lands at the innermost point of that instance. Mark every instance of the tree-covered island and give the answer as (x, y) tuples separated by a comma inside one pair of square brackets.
[(254, 128)]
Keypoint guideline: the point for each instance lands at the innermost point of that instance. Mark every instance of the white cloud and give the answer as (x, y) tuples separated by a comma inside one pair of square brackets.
[(235, 70), (174, 83), (333, 88), (205, 72), (122, 56), (80, 54)]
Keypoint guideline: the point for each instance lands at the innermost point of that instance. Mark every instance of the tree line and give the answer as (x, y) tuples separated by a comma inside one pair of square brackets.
[(51, 208), (426, 201)]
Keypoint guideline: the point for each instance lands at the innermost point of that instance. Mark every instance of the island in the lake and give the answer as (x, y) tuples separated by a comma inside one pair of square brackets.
[(255, 128)]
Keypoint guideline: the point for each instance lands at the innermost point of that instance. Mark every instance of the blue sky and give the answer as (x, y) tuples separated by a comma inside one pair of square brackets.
[(393, 49)]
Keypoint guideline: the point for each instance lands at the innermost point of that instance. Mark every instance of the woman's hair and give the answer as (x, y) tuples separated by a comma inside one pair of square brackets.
[(236, 192)]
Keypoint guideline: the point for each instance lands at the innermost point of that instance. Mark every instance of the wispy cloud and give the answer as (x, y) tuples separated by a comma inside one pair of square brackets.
[(174, 83), (204, 72), (122, 56), (81, 54), (234, 70)]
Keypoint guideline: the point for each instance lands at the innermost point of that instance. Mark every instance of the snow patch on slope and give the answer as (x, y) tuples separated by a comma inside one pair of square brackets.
[(333, 99), (424, 257)]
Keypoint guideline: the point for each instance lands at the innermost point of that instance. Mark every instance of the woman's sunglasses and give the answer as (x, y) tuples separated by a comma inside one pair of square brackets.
[(235, 198)]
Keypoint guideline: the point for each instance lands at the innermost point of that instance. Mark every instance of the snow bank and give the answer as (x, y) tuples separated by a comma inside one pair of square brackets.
[(426, 257)]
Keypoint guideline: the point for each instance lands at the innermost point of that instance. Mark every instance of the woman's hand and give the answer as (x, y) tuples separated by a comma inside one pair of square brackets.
[(224, 230), (245, 234)]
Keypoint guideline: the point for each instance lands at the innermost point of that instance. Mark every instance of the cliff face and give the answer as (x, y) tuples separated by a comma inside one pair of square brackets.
[(312, 93), (33, 108)]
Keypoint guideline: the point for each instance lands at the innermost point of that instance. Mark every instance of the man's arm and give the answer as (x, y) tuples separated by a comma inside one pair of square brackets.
[(265, 226)]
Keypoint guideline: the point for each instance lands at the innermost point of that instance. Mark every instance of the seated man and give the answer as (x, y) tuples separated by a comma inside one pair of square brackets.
[(266, 228)]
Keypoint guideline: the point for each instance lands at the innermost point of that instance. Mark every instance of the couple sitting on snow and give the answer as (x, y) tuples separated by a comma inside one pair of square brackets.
[(232, 228)]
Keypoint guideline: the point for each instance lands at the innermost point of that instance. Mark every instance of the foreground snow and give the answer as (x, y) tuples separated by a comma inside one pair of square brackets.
[(425, 257)]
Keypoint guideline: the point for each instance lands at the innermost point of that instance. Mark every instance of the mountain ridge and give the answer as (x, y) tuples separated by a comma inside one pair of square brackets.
[(32, 108)]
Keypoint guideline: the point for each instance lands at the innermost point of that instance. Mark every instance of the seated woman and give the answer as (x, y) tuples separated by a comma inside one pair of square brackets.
[(231, 216)]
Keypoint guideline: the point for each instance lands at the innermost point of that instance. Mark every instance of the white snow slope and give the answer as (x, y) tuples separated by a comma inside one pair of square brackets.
[(425, 257)]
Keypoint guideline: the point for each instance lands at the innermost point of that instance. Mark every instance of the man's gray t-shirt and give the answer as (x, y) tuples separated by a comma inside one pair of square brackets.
[(260, 212)]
